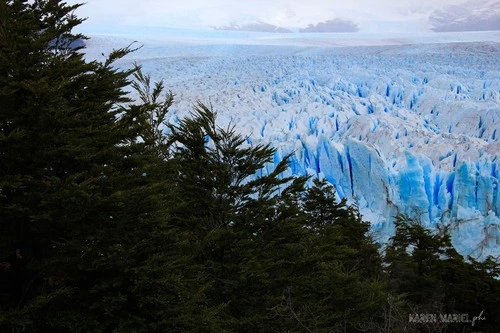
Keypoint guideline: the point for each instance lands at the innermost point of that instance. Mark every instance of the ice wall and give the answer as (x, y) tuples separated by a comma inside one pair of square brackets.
[(397, 129)]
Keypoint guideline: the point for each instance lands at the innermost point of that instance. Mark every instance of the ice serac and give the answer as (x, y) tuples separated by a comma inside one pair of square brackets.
[(413, 187), (410, 129)]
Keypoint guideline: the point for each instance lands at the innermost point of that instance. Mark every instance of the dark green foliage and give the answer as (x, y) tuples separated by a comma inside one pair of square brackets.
[(225, 211), (148, 118), (341, 287), (109, 225), (277, 257), (434, 278), (81, 200)]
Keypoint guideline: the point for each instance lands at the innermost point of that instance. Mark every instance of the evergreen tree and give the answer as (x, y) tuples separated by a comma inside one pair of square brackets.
[(224, 211), (84, 242), (108, 225), (425, 268), (414, 255), (342, 287), (276, 257)]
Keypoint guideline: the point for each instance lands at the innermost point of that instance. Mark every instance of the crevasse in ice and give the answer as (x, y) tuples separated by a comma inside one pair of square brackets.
[(399, 127)]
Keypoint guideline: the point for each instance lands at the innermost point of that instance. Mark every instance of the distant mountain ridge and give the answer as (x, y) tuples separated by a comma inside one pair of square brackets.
[(475, 15), (335, 25), (471, 16), (258, 26)]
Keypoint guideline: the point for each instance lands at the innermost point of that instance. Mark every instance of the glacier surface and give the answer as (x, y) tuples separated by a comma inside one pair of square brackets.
[(398, 124)]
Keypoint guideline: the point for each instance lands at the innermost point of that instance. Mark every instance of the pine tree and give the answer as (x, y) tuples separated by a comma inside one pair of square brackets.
[(84, 191), (224, 211), (433, 277), (342, 286), (275, 256), (414, 256)]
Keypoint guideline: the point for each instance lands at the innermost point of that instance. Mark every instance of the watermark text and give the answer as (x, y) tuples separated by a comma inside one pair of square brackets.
[(448, 318)]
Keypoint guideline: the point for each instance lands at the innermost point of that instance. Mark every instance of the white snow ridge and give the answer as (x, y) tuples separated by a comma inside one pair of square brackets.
[(402, 125)]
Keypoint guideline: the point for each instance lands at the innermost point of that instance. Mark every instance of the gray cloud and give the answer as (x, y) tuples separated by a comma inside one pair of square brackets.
[(334, 25), (471, 16), (253, 27)]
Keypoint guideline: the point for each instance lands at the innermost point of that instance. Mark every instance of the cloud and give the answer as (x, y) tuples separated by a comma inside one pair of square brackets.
[(369, 15), (471, 16), (334, 25), (254, 27)]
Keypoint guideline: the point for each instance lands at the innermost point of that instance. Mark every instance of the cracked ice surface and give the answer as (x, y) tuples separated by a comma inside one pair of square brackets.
[(398, 126)]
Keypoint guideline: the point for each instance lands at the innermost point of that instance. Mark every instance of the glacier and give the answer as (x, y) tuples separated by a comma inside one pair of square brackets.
[(398, 124)]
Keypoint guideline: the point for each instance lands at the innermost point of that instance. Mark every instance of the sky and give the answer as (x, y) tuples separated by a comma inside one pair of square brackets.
[(369, 15)]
